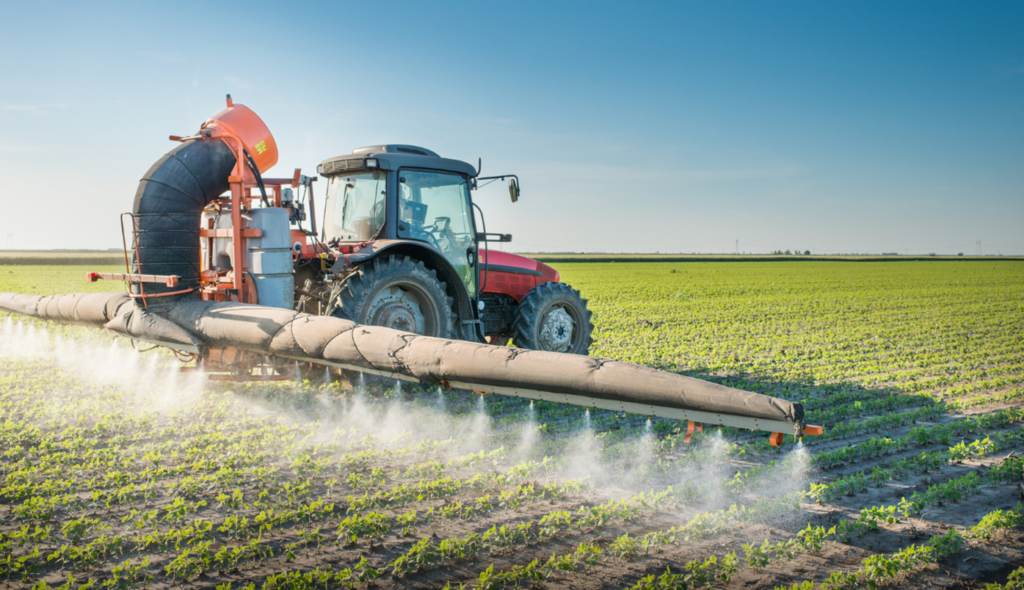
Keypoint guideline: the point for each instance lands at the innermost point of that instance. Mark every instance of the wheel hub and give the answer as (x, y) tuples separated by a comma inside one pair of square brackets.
[(399, 309), (556, 331)]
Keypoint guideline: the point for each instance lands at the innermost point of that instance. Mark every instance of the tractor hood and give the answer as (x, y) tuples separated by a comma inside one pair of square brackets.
[(495, 261), (393, 157), (511, 274)]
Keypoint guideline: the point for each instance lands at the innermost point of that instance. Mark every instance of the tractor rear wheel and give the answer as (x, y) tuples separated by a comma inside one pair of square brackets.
[(397, 292), (553, 317)]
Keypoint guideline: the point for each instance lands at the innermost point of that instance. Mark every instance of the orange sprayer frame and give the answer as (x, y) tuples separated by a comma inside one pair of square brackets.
[(248, 137)]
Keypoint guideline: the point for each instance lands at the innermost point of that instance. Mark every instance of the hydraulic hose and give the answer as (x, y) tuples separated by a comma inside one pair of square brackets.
[(259, 177)]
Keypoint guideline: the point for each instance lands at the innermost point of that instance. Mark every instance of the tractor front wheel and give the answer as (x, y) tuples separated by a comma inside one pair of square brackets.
[(397, 292), (553, 317)]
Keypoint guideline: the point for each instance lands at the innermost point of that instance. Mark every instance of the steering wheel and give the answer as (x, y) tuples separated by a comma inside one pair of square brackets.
[(443, 226), (425, 233)]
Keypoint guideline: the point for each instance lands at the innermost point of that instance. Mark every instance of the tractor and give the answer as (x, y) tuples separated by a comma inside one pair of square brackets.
[(399, 247)]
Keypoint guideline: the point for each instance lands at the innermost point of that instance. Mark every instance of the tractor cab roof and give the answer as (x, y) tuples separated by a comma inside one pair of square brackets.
[(393, 157)]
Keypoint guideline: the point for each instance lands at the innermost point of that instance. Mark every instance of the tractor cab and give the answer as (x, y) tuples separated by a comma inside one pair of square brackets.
[(400, 192), (404, 251)]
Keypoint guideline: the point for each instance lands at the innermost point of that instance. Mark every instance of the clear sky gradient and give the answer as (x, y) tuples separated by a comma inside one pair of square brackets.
[(674, 127)]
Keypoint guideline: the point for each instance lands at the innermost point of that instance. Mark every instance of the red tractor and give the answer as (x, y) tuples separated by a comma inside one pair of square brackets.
[(398, 244), (399, 247)]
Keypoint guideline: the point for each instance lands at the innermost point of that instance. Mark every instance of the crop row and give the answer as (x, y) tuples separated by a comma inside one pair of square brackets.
[(882, 568), (927, 461), (270, 516), (874, 570), (428, 552), (920, 436)]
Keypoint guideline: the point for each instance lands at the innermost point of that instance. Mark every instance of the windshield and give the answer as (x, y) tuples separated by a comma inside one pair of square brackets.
[(435, 207), (355, 206)]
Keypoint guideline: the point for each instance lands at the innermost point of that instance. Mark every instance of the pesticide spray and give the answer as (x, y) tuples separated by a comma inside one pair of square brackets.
[(614, 464)]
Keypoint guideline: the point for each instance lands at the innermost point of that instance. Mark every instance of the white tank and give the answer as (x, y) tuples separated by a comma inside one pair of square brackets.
[(268, 258)]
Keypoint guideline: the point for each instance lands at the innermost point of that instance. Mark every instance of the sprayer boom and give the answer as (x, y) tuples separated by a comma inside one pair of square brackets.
[(201, 328)]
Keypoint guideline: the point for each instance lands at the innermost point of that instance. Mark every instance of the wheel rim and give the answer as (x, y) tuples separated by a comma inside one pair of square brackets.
[(402, 307), (557, 330)]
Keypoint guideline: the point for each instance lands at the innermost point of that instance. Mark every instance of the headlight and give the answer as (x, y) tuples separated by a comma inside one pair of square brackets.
[(371, 162)]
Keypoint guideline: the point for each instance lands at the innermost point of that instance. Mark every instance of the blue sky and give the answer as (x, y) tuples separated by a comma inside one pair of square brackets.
[(672, 127)]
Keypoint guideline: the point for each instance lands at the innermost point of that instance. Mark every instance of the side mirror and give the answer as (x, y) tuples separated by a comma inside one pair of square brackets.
[(513, 190)]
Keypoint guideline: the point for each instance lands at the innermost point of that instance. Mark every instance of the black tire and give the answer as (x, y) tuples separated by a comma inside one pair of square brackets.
[(535, 314), (397, 292)]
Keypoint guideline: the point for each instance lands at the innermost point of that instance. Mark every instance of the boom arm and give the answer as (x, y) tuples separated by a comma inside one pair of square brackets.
[(199, 326)]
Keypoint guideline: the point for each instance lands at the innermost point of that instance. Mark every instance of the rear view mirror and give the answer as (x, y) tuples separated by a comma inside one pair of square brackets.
[(513, 190)]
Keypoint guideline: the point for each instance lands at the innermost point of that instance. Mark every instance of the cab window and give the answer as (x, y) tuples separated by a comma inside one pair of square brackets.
[(435, 207)]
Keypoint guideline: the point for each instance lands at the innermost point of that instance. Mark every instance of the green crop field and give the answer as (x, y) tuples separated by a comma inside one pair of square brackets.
[(62, 257), (55, 279), (121, 471)]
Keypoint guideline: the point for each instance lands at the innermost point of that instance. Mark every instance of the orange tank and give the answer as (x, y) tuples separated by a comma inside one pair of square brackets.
[(240, 121)]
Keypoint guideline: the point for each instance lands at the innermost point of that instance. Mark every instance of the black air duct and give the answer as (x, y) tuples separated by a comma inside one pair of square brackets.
[(168, 206)]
